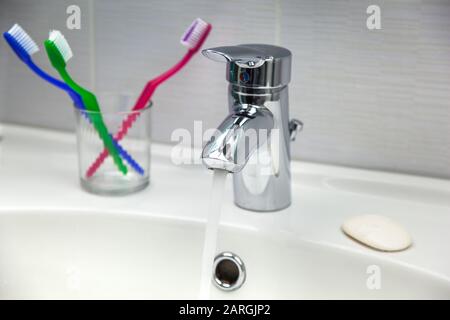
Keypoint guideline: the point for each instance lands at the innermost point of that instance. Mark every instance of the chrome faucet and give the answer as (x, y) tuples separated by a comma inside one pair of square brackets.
[(253, 142)]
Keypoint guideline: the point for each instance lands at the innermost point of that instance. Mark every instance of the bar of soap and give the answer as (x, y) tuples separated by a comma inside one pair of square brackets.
[(377, 232)]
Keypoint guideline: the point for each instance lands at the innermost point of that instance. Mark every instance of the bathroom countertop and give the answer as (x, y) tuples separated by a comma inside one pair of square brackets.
[(38, 171)]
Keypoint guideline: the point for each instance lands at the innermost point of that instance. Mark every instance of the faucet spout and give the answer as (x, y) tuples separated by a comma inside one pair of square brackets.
[(241, 133), (253, 142)]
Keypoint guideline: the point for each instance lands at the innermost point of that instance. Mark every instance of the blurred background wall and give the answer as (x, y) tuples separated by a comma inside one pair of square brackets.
[(377, 99)]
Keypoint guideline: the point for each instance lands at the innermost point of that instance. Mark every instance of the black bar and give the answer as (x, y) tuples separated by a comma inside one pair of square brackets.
[(224, 309)]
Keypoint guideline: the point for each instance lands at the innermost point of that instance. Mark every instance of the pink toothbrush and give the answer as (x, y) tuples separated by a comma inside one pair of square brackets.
[(193, 38)]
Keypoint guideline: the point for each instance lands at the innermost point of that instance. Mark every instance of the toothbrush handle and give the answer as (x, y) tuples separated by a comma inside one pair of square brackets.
[(76, 98), (78, 102), (128, 158), (126, 125), (108, 142), (140, 104), (104, 154)]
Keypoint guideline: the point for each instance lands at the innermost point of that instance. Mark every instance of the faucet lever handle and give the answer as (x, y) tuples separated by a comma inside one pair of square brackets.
[(254, 65), (241, 55), (295, 126)]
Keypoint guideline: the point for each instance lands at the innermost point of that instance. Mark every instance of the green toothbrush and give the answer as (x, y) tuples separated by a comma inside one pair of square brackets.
[(59, 52)]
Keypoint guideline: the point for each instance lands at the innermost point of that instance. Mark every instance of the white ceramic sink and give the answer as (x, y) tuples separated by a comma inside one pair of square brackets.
[(91, 255), (56, 241)]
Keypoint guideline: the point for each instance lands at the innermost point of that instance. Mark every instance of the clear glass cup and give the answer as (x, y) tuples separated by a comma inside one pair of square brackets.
[(100, 175)]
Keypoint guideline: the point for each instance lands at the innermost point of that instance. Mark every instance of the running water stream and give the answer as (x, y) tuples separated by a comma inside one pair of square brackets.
[(212, 228)]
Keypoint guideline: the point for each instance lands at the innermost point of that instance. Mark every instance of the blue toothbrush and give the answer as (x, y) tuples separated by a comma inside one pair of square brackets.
[(24, 47)]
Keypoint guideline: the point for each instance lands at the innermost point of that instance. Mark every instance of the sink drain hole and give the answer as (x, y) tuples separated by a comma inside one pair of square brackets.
[(228, 271)]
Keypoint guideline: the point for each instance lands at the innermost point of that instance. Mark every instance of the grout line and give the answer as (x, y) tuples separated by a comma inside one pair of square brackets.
[(92, 59), (278, 15)]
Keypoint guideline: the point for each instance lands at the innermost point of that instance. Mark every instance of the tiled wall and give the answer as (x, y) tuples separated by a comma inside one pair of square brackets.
[(375, 99)]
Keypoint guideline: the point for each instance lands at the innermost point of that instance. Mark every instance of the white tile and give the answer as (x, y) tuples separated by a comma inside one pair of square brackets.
[(137, 40), (30, 100), (3, 66), (375, 99)]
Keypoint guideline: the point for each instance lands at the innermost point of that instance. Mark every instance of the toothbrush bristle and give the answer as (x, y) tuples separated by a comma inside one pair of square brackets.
[(195, 34), (23, 39), (61, 43)]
